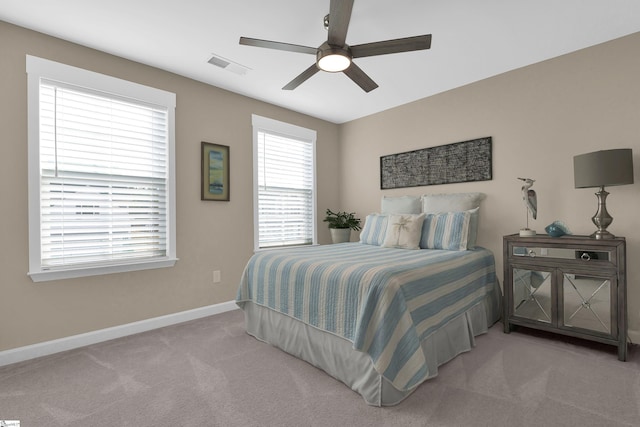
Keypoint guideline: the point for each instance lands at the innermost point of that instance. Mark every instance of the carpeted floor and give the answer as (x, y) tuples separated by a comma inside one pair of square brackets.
[(209, 372)]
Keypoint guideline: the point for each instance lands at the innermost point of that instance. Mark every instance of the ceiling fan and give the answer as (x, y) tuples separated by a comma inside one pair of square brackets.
[(335, 55)]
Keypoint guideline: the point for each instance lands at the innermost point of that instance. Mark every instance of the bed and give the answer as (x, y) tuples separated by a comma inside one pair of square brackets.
[(377, 317)]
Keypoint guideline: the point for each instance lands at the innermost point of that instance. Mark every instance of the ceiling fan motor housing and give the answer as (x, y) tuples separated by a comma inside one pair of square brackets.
[(333, 59)]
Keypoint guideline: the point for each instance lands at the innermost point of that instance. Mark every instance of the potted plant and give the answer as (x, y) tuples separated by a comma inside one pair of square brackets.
[(341, 224)]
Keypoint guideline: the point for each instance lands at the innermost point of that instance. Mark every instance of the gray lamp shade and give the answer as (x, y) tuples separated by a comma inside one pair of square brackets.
[(605, 167)]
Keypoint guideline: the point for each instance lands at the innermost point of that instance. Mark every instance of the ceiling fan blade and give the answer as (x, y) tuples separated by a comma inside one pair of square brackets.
[(406, 44), (304, 76), (339, 17), (356, 74), (277, 45)]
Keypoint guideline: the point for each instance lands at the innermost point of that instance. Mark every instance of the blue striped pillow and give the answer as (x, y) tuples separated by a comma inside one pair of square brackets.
[(375, 227), (446, 230)]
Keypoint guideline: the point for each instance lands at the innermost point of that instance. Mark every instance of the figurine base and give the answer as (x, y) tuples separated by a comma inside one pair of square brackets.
[(527, 232)]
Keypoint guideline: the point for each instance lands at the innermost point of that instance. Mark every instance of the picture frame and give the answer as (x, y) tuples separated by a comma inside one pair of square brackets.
[(214, 176)]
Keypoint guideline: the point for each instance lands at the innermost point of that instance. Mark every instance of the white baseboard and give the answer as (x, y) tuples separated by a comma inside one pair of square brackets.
[(20, 354)]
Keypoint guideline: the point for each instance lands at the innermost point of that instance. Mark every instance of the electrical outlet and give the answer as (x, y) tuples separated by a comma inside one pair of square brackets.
[(216, 276), (544, 251)]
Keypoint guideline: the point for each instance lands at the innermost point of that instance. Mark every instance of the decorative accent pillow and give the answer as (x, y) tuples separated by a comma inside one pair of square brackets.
[(401, 205), (455, 202), (446, 230), (403, 231), (375, 227)]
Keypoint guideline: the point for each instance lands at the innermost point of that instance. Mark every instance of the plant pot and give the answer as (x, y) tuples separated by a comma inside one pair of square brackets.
[(340, 235)]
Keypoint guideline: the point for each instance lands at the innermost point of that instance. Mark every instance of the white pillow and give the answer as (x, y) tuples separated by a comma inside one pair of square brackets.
[(401, 205), (452, 202), (455, 202), (403, 231), (446, 230), (375, 226)]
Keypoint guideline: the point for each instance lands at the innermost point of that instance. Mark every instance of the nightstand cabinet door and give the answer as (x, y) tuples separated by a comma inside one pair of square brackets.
[(533, 295), (572, 285), (588, 303)]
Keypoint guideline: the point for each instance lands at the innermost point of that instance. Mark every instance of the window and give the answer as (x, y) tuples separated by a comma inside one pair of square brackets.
[(101, 173), (284, 184)]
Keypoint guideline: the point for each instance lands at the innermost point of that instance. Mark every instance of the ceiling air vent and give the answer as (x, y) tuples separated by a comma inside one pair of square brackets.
[(228, 65)]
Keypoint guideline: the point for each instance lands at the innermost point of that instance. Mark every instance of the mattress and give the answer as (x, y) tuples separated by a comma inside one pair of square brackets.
[(396, 314)]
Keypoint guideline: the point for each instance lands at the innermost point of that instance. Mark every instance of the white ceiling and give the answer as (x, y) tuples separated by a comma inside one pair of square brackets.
[(472, 40)]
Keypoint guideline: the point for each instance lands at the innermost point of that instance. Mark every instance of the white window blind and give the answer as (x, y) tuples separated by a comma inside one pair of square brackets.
[(103, 181), (103, 177), (285, 187)]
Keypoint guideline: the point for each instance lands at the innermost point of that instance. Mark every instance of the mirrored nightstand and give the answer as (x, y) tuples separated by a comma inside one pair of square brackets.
[(571, 285)]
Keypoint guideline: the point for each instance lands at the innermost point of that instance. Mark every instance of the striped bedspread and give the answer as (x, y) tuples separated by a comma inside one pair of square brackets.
[(383, 300)]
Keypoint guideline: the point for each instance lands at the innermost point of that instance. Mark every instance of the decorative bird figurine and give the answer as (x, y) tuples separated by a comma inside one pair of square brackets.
[(529, 196), (530, 201)]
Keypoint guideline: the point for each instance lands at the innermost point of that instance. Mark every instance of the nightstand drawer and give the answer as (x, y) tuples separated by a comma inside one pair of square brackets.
[(570, 255), (562, 253)]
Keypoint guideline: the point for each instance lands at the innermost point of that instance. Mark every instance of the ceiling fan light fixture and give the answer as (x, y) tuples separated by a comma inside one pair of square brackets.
[(333, 60)]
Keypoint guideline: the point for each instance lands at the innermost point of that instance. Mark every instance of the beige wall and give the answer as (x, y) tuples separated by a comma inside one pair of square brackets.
[(539, 117), (210, 235)]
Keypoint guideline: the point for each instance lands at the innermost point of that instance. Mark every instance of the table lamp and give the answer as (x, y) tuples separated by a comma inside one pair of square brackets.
[(600, 169)]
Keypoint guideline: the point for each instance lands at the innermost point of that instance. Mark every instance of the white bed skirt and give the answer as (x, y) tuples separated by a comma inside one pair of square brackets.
[(335, 355)]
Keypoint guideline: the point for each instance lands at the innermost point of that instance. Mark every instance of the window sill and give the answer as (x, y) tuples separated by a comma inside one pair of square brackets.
[(48, 275)]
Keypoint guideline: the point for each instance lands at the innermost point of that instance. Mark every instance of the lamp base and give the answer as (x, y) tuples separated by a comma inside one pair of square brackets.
[(602, 235), (527, 232), (602, 219)]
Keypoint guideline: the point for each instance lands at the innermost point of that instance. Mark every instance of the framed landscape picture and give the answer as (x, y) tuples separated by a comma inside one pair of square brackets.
[(215, 172)]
